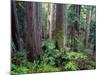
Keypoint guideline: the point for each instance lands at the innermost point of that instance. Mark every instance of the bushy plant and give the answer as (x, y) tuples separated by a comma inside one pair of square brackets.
[(47, 68), (50, 44), (33, 66), (48, 53), (82, 60), (76, 55), (71, 66), (18, 69), (52, 55), (22, 69)]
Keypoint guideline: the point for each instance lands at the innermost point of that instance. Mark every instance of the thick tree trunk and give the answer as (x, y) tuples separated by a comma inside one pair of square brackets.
[(37, 35), (33, 33), (14, 26), (29, 35), (58, 32)]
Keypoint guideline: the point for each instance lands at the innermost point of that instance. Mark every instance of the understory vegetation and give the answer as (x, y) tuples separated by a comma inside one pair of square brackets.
[(51, 60)]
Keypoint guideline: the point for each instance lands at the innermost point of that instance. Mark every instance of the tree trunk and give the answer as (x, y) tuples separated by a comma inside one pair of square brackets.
[(88, 21), (75, 27), (33, 33), (65, 23), (58, 32), (14, 26), (50, 15), (54, 18)]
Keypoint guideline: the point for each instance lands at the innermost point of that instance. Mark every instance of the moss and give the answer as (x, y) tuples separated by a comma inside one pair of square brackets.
[(58, 36)]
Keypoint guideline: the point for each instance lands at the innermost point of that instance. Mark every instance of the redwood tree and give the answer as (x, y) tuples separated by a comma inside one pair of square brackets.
[(58, 32), (33, 31)]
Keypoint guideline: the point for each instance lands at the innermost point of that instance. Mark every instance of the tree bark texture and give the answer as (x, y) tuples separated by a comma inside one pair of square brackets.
[(58, 32), (33, 33), (87, 32), (14, 26), (65, 23)]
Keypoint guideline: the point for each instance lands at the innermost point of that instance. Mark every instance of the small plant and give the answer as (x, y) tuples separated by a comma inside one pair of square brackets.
[(48, 68), (71, 66), (76, 55), (18, 69), (53, 56), (33, 67), (50, 45)]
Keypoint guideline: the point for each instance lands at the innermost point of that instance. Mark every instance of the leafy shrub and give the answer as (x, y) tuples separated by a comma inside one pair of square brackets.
[(82, 60), (50, 44), (47, 68), (18, 69), (71, 66), (76, 55), (52, 60), (22, 69), (49, 54), (52, 55), (33, 67)]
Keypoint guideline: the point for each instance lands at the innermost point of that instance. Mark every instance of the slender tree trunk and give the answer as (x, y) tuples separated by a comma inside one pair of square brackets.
[(65, 23), (93, 18), (54, 18), (50, 16), (14, 26), (75, 28), (88, 21)]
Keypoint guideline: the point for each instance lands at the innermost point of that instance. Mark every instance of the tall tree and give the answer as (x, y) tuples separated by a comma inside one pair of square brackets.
[(92, 34), (58, 32), (50, 17), (54, 18), (14, 26), (33, 32), (65, 23), (88, 21), (75, 27)]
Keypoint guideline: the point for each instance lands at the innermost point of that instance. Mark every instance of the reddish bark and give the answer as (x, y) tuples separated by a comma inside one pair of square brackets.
[(33, 32)]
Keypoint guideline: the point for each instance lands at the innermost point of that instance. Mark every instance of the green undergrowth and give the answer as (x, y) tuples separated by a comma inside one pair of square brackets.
[(52, 60)]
